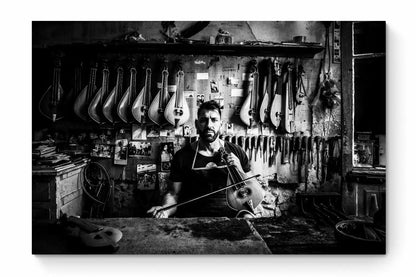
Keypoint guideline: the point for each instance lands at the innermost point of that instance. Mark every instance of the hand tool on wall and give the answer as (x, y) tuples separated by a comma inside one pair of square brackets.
[(249, 144), (310, 151), (265, 149), (296, 149), (325, 156), (233, 139), (286, 150), (241, 142), (296, 154), (308, 145), (255, 145), (260, 145), (278, 146), (318, 142), (271, 145), (303, 157)]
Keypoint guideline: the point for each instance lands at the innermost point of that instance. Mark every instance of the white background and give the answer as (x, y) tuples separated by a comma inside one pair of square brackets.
[(15, 107)]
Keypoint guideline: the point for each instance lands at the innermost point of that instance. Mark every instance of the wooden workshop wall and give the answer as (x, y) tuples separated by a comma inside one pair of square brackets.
[(310, 121)]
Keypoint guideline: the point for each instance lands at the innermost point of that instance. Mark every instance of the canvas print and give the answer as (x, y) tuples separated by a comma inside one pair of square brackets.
[(247, 137)]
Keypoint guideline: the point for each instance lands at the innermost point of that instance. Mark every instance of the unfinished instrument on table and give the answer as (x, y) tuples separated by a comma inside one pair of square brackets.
[(84, 98), (51, 102), (141, 104), (124, 106), (276, 108), (177, 110), (157, 107), (289, 103), (92, 235), (96, 105), (110, 104), (248, 109), (264, 107)]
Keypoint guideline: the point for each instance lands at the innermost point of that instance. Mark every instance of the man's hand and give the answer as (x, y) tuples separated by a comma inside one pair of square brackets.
[(156, 214), (232, 159)]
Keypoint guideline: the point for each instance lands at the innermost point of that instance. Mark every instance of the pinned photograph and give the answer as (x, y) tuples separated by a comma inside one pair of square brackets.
[(166, 155), (120, 152), (146, 176), (140, 149), (138, 132), (102, 150), (200, 98)]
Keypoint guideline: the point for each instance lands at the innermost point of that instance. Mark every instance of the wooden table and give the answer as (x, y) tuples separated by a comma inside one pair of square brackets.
[(162, 236), (292, 235)]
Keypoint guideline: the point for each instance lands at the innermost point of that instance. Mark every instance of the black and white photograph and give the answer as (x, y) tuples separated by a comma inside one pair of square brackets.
[(300, 168), (140, 149), (121, 152), (146, 176)]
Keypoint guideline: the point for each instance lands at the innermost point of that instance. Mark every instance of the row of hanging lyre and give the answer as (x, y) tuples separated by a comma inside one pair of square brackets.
[(104, 104), (283, 87)]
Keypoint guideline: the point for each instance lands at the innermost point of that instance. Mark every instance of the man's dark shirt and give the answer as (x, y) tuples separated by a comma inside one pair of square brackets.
[(206, 175)]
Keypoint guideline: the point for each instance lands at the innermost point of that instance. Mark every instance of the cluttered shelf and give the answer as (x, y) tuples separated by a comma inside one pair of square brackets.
[(283, 49)]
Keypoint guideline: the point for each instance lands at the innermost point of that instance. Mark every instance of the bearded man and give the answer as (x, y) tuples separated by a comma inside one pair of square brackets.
[(198, 169)]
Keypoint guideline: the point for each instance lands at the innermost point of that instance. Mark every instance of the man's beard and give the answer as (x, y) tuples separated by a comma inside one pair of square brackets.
[(209, 135)]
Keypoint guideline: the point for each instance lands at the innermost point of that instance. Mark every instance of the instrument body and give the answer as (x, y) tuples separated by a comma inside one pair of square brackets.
[(289, 102), (177, 110), (110, 104), (158, 105), (81, 103), (276, 107), (248, 108), (75, 90), (141, 104), (264, 111), (96, 105), (92, 235), (124, 106), (51, 102), (264, 107), (246, 195)]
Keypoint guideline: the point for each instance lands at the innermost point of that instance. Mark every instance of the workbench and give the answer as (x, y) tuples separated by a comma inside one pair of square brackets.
[(294, 235)]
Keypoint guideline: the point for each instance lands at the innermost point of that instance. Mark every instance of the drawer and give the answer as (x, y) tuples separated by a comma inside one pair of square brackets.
[(69, 185)]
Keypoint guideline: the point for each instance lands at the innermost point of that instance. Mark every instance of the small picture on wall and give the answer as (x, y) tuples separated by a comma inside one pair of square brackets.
[(146, 176), (140, 149), (200, 98), (138, 132), (153, 131), (102, 150), (120, 152), (166, 155)]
